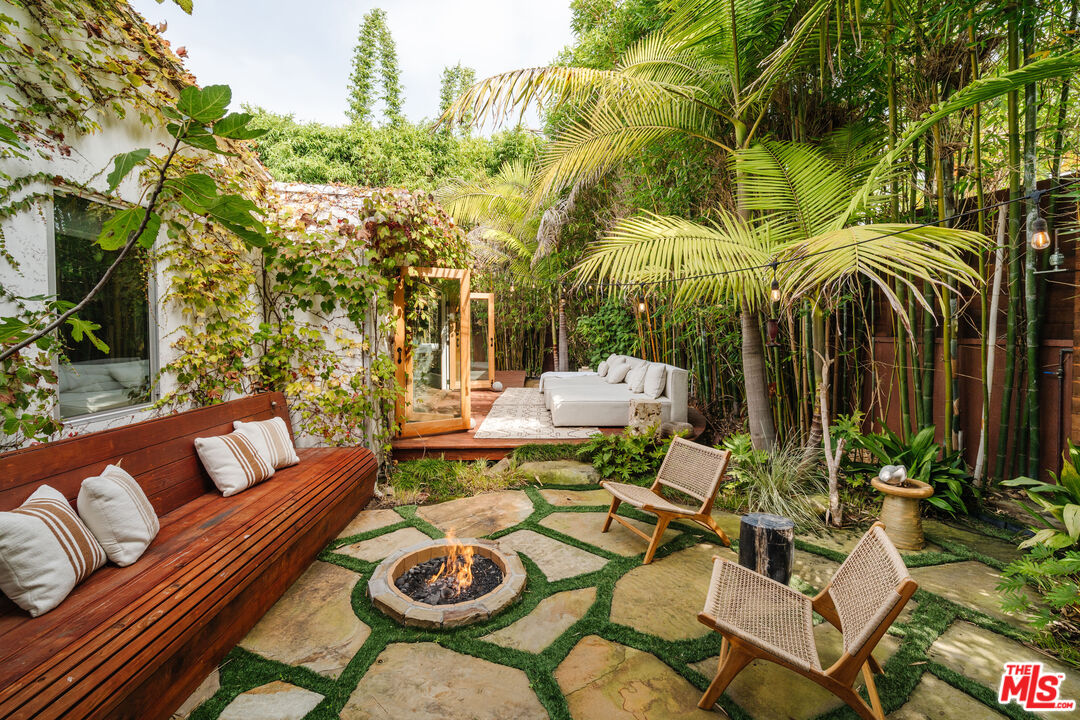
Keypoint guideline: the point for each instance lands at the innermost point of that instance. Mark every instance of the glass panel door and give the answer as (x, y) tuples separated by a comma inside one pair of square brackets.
[(482, 361), (431, 348)]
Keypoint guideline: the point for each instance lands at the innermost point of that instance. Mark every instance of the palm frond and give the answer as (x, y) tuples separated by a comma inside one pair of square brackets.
[(803, 190), (832, 263), (706, 26), (658, 58), (654, 248)]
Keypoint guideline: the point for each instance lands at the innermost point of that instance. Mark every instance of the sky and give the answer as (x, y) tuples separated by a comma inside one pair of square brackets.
[(295, 57)]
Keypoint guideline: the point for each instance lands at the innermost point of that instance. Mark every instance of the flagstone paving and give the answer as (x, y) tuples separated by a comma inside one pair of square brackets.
[(597, 635), (586, 526), (551, 618), (313, 624), (560, 472)]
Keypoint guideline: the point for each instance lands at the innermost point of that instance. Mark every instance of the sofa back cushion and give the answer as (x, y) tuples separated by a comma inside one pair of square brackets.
[(635, 378), (617, 373), (119, 514), (602, 368), (655, 380)]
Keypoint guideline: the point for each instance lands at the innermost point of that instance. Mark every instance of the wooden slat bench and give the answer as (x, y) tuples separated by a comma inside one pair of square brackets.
[(134, 642)]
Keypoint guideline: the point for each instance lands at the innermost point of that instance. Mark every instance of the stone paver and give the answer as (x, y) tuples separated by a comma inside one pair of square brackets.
[(560, 472), (981, 655), (546, 622), (313, 624), (968, 583), (572, 498), (273, 701), (204, 692), (1000, 550), (425, 680), (812, 568), (378, 548), (602, 679), (586, 526), (755, 688), (555, 559), (479, 515), (370, 520), (728, 522), (686, 575), (845, 540), (935, 699)]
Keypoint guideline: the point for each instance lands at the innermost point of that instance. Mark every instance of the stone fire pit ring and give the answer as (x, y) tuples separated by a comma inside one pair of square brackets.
[(392, 602)]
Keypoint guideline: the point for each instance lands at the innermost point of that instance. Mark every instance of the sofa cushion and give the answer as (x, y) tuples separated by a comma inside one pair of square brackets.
[(617, 373), (274, 437), (602, 368), (655, 380), (45, 551), (234, 462), (117, 511), (635, 379)]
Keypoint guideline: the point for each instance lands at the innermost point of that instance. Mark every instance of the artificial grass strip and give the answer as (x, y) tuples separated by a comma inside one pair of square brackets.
[(243, 671)]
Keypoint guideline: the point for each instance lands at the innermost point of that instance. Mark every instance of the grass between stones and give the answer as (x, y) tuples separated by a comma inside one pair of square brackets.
[(242, 670)]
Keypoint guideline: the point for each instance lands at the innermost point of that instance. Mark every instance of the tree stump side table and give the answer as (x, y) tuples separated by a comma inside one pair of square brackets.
[(644, 414), (901, 512), (767, 545)]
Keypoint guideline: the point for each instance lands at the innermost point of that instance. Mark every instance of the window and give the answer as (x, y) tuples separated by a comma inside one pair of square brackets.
[(96, 381)]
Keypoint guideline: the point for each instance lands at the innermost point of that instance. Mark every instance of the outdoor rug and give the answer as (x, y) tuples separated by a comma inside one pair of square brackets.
[(520, 413)]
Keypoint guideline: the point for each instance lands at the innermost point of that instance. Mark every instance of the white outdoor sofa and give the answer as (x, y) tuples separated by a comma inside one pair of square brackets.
[(584, 399)]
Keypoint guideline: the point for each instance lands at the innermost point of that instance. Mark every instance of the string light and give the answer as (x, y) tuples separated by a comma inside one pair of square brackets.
[(1039, 234), (774, 289), (641, 306)]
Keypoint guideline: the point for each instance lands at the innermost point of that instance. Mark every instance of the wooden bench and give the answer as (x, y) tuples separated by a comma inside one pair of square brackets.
[(134, 642)]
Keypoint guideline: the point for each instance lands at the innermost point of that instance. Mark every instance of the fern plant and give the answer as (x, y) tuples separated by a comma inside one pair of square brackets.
[(625, 457)]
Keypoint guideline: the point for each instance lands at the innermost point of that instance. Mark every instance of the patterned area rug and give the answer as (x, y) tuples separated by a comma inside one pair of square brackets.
[(520, 413)]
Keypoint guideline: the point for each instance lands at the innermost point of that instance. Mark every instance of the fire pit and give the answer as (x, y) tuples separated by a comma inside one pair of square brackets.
[(446, 583)]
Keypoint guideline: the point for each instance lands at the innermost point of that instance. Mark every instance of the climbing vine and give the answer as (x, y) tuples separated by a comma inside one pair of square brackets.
[(374, 46)]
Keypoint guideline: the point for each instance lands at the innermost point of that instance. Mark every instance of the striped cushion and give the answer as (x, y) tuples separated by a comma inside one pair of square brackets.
[(235, 461), (275, 438), (45, 551), (117, 511)]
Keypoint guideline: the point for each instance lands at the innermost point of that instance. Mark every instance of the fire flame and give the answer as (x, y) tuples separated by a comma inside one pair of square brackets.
[(457, 568)]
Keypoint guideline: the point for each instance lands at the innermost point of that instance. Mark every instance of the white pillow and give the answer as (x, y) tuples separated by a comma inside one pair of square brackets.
[(602, 368), (119, 514), (45, 551), (130, 374), (616, 373), (635, 378), (655, 380), (235, 461), (274, 437)]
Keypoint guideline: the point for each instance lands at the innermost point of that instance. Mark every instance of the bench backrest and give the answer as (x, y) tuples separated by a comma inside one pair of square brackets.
[(159, 453)]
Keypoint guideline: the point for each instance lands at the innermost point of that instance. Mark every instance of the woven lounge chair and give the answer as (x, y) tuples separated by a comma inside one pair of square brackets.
[(760, 618), (692, 469)]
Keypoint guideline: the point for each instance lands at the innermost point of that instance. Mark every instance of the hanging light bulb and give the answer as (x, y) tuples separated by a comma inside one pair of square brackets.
[(641, 306), (1039, 235), (774, 289), (511, 287)]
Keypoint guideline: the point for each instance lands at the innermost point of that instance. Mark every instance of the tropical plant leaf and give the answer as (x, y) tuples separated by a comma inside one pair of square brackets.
[(204, 105), (123, 164), (118, 229), (235, 127)]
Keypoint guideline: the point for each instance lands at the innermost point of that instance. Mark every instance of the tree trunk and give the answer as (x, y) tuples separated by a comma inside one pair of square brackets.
[(1031, 280), (990, 336), (758, 410), (564, 353)]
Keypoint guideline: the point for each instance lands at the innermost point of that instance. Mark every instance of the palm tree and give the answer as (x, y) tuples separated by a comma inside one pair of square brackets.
[(804, 194)]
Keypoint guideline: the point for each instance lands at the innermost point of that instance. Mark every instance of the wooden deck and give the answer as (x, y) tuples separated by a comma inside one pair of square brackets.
[(463, 446)]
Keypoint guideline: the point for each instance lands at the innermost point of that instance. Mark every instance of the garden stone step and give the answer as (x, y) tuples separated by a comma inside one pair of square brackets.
[(547, 621), (934, 699), (609, 681), (585, 526), (380, 547), (686, 573), (993, 547), (479, 515), (369, 520), (981, 655), (425, 680), (555, 559), (560, 472), (755, 688), (273, 701), (575, 498), (313, 624)]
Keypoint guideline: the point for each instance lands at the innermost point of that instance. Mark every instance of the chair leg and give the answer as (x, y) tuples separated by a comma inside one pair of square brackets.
[(875, 666), (871, 690), (734, 661), (719, 533), (856, 703), (615, 502), (661, 525)]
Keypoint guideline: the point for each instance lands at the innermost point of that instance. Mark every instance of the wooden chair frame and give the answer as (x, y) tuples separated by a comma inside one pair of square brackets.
[(703, 516), (839, 679)]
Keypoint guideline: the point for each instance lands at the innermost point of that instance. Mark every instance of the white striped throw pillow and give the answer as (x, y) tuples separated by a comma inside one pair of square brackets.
[(45, 551), (234, 462), (275, 438), (119, 514)]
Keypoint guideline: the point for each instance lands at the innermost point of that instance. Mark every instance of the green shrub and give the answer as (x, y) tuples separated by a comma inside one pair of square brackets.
[(611, 329), (434, 480), (780, 481), (625, 457), (540, 452)]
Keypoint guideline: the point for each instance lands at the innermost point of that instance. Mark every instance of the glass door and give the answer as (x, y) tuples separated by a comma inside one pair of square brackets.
[(482, 341), (431, 350)]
